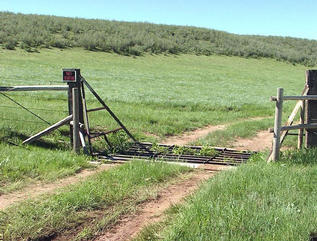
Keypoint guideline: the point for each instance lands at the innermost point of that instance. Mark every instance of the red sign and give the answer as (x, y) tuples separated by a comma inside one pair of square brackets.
[(69, 76)]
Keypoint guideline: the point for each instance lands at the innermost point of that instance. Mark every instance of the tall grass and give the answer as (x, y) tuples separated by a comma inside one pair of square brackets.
[(154, 96), (256, 201), (20, 166)]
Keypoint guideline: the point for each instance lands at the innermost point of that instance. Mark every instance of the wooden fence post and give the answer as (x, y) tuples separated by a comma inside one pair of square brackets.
[(277, 125), (311, 108), (71, 85), (302, 121), (76, 140)]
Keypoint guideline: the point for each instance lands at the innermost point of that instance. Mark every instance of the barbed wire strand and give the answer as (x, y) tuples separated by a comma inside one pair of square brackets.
[(33, 108), (17, 120), (17, 103)]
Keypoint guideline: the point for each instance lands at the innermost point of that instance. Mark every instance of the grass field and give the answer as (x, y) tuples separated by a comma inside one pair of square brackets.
[(159, 94), (114, 192), (154, 96), (241, 129), (256, 201), (21, 166)]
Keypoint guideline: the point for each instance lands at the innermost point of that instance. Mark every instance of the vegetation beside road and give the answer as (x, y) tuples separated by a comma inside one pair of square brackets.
[(21, 166), (256, 201), (112, 192), (138, 91), (240, 129)]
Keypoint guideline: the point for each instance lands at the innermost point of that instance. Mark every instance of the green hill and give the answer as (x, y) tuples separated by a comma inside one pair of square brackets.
[(32, 32)]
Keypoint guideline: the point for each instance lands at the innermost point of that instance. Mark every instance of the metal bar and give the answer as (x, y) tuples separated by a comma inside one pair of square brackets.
[(34, 88), (220, 149), (82, 141), (205, 158), (131, 157), (109, 110), (96, 109), (108, 142), (217, 148), (85, 116), (94, 135)]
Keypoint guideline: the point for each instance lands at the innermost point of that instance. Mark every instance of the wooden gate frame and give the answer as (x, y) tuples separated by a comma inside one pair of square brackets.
[(307, 105), (77, 119)]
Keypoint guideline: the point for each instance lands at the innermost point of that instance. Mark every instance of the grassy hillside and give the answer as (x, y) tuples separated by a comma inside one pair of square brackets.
[(32, 32)]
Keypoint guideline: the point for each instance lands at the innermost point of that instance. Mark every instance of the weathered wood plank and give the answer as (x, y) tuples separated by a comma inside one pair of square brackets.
[(34, 88), (302, 121), (311, 108), (49, 129), (277, 125), (76, 140), (299, 126)]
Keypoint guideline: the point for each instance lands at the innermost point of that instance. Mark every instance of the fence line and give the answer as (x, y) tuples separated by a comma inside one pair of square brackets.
[(34, 108), (278, 128)]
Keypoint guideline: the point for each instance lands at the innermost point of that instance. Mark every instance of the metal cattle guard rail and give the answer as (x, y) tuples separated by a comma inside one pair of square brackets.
[(222, 156)]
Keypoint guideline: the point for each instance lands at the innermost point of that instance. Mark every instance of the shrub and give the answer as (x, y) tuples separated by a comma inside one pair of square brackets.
[(10, 44)]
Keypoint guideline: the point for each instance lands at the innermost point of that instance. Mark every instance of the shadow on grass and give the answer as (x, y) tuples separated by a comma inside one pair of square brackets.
[(16, 138)]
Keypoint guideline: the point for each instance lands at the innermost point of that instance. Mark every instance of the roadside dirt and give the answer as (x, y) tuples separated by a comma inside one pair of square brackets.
[(191, 136), (35, 190), (153, 211), (262, 141)]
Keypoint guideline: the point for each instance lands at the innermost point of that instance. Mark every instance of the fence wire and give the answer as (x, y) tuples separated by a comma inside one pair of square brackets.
[(26, 115)]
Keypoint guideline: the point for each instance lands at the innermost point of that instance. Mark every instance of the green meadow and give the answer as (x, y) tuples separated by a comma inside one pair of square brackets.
[(154, 96), (159, 94)]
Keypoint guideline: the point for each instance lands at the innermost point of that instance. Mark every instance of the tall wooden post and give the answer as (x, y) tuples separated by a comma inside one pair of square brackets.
[(311, 108), (277, 125), (74, 83), (75, 107)]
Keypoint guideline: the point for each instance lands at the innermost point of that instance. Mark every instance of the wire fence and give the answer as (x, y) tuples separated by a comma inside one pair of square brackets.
[(34, 108), (22, 115), (20, 120)]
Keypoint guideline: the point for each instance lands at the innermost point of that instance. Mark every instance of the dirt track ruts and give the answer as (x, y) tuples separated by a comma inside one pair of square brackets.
[(153, 211), (191, 136)]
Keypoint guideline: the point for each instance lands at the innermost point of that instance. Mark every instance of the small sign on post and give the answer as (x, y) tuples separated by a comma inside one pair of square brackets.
[(71, 75), (73, 78)]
